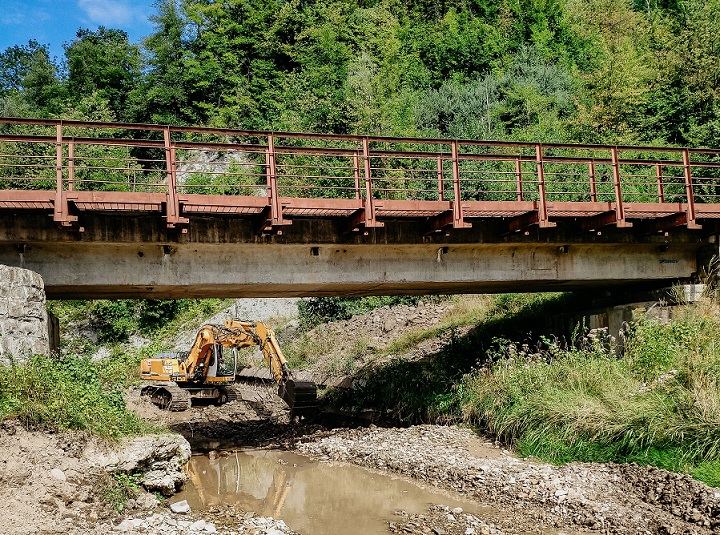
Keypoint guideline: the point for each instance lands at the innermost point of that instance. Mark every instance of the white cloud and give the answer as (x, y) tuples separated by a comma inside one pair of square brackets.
[(113, 13)]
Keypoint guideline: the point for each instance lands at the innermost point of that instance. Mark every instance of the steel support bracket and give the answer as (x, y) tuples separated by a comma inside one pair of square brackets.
[(673, 221), (270, 226), (529, 219), (448, 221), (360, 221), (603, 220)]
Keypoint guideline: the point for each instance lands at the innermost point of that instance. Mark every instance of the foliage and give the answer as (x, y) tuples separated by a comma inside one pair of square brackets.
[(66, 393), (550, 70), (115, 321), (316, 310), (117, 489), (658, 405)]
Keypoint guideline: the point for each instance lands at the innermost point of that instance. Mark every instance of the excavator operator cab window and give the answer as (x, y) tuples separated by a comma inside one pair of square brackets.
[(225, 364)]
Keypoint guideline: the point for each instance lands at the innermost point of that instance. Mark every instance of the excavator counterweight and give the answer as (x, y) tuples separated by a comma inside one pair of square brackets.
[(205, 372)]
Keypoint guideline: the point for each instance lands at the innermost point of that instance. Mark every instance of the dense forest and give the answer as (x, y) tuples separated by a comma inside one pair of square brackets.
[(613, 71)]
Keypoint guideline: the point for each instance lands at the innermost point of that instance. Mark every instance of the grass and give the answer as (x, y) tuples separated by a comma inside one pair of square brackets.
[(424, 390), (659, 405), (67, 393)]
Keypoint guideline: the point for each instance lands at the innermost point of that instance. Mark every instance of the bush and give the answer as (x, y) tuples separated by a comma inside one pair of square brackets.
[(66, 393), (316, 310), (116, 320), (658, 405)]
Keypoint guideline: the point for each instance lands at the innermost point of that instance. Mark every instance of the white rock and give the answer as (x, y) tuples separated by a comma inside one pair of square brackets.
[(124, 526), (58, 474), (180, 507), (198, 525), (210, 528), (457, 511)]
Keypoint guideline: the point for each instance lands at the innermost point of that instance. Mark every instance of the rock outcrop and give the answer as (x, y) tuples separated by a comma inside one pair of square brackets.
[(157, 458), (23, 316)]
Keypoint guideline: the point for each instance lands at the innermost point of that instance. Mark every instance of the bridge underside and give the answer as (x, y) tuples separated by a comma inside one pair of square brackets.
[(139, 258)]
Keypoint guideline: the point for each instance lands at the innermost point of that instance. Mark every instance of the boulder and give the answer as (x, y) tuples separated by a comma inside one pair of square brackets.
[(157, 458)]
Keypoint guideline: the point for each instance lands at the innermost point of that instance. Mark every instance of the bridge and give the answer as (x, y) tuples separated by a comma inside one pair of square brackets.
[(132, 210)]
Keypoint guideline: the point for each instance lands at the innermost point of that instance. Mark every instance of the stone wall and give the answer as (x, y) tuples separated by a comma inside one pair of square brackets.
[(23, 316)]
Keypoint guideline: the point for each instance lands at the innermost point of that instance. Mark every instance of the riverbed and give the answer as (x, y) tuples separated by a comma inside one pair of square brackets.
[(312, 497)]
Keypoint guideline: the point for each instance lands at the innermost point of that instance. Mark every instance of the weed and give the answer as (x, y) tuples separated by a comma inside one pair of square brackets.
[(659, 406), (67, 393), (117, 489)]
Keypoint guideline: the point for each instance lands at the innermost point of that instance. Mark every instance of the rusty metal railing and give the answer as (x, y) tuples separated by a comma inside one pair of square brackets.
[(72, 167)]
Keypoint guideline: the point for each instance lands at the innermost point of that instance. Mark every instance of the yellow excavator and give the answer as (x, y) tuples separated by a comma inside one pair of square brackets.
[(207, 372)]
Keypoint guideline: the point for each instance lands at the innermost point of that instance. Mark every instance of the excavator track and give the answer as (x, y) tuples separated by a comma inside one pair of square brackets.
[(229, 393), (168, 397)]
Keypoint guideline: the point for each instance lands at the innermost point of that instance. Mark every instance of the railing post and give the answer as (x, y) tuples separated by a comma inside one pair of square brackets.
[(356, 174), (518, 179), (458, 216), (660, 185), (275, 210), (172, 208), (61, 209), (370, 220), (619, 209), (593, 182), (71, 165), (542, 195), (691, 222), (60, 212), (441, 179)]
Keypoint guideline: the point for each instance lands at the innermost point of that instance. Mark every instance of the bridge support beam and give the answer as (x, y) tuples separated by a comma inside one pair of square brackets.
[(123, 270)]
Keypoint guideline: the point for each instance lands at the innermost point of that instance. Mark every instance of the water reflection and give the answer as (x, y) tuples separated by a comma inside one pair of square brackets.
[(313, 498)]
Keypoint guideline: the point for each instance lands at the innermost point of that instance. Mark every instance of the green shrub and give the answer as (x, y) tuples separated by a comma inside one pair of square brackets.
[(117, 489), (317, 310), (658, 405), (66, 393)]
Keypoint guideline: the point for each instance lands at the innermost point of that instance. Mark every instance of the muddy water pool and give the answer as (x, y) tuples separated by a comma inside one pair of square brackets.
[(311, 497)]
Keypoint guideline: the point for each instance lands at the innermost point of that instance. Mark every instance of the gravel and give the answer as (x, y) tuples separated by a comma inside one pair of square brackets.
[(610, 498), (442, 520), (226, 521)]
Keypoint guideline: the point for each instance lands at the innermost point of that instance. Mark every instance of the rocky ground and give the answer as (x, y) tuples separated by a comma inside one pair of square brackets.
[(442, 520), (57, 482), (605, 498)]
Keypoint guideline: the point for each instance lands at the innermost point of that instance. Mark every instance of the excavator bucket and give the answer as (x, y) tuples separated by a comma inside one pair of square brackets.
[(301, 397)]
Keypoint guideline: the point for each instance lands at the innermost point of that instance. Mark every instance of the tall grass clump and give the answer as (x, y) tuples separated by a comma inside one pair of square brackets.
[(66, 393), (658, 404)]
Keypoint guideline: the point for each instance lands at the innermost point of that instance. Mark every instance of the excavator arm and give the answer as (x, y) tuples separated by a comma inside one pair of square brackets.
[(301, 396)]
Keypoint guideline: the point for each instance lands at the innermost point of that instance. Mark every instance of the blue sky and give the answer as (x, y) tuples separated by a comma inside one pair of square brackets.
[(54, 22)]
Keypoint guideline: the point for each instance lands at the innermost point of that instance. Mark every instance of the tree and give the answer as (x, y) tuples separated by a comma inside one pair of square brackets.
[(29, 82), (104, 63)]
